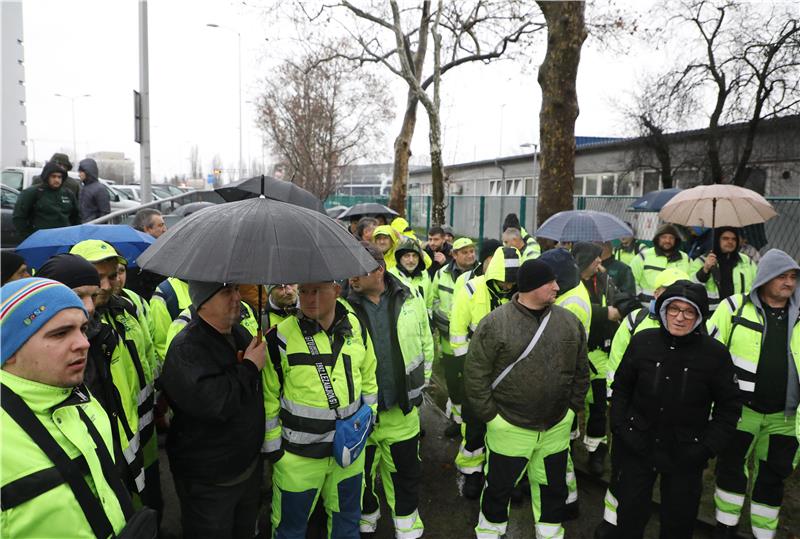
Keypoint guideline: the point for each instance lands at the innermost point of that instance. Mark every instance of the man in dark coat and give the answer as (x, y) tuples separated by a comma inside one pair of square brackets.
[(93, 198), (212, 379), (675, 405), (47, 205)]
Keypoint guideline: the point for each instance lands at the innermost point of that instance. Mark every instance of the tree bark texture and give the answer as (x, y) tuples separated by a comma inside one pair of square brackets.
[(402, 154), (566, 32)]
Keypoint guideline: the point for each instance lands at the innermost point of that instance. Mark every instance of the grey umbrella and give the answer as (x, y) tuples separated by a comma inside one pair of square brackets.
[(257, 241), (367, 208), (270, 187), (583, 225)]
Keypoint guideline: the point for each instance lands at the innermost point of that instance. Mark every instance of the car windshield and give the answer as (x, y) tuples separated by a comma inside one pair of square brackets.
[(13, 179), (9, 199), (123, 195)]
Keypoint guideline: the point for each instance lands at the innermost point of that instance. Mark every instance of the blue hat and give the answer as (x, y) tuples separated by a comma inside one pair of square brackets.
[(28, 304)]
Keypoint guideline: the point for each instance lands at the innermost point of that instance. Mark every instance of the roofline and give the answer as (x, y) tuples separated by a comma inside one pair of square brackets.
[(615, 144)]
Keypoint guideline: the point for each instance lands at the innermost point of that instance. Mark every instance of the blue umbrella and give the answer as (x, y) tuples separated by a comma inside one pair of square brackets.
[(583, 225), (654, 200), (43, 244)]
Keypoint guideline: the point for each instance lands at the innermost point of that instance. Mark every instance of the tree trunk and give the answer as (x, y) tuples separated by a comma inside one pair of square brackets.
[(437, 174), (402, 153), (566, 32)]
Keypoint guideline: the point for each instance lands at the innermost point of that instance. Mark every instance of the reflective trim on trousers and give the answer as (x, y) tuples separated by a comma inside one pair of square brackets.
[(416, 362), (369, 522), (306, 438), (408, 527), (729, 497), (744, 364), (415, 393), (591, 443), (454, 411), (727, 518), (610, 512), (271, 445), (766, 511), (549, 531), (467, 470), (470, 454), (489, 530), (761, 533), (312, 412)]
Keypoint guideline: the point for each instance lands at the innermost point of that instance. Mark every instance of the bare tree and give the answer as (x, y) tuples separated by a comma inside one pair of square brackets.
[(323, 115), (195, 163), (397, 36), (750, 61), (566, 32)]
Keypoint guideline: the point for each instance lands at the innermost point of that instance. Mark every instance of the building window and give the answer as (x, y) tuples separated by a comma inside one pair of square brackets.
[(651, 182), (514, 187), (495, 188), (607, 184), (626, 184), (577, 189), (590, 187)]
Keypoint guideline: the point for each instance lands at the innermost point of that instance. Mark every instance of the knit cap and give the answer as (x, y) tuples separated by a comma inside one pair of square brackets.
[(26, 306), (201, 291), (71, 270), (10, 262), (533, 274)]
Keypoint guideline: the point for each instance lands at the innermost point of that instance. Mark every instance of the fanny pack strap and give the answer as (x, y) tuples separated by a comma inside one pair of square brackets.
[(526, 352)]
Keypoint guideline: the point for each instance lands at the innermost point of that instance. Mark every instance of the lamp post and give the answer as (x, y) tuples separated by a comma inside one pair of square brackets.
[(535, 147), (72, 99), (239, 48)]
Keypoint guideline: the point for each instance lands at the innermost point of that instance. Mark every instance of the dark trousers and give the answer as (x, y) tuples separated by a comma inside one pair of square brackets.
[(216, 512), (453, 375), (680, 496), (596, 419)]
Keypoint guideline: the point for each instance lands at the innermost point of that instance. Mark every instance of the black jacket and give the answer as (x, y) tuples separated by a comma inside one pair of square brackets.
[(218, 427), (435, 266), (666, 387)]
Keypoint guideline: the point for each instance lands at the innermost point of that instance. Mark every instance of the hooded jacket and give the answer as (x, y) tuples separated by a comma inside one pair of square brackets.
[(417, 278), (388, 256), (94, 199), (744, 341), (733, 273), (667, 387), (649, 263), (668, 229), (40, 206)]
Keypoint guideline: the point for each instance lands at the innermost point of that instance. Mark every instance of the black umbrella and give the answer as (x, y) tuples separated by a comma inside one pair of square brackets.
[(271, 188), (190, 208), (257, 241), (367, 208)]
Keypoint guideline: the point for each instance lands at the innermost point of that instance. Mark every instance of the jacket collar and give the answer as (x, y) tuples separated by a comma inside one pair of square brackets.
[(42, 397)]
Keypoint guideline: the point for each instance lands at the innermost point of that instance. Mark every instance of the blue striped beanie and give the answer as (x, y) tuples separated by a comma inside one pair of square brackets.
[(28, 304)]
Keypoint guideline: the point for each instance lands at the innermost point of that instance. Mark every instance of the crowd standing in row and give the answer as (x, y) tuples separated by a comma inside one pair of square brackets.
[(675, 361)]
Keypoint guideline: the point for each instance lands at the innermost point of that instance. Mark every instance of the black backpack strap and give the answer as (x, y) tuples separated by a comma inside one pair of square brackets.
[(271, 338), (95, 515)]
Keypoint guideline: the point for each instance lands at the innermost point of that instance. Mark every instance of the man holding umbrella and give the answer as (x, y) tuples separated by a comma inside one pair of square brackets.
[(664, 253), (724, 271)]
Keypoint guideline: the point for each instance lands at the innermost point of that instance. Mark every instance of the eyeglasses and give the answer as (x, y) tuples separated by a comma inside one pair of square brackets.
[(688, 314)]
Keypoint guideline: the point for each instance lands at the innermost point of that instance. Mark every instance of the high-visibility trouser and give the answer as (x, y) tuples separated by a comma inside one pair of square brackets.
[(596, 407), (513, 451), (471, 452), (453, 375), (393, 451), (297, 484), (771, 439)]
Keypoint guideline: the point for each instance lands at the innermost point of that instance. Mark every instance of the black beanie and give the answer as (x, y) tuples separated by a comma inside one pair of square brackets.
[(585, 253), (533, 274), (71, 270), (488, 247), (9, 264)]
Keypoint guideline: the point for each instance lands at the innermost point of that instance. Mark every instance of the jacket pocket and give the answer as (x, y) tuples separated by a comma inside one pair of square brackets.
[(635, 433)]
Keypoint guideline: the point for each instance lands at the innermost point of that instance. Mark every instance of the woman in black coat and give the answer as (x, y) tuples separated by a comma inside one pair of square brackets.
[(675, 405)]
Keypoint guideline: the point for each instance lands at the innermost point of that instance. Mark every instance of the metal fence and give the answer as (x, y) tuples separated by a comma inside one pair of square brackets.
[(482, 216)]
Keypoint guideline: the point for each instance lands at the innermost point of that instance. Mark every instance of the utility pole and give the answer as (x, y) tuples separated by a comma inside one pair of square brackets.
[(144, 89), (72, 99)]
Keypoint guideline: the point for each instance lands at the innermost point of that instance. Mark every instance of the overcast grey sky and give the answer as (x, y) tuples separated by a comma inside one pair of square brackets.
[(77, 47)]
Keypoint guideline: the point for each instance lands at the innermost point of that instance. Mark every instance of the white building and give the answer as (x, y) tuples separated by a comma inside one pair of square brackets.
[(13, 131)]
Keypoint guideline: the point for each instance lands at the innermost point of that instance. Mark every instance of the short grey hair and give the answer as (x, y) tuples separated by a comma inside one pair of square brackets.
[(512, 233), (144, 218)]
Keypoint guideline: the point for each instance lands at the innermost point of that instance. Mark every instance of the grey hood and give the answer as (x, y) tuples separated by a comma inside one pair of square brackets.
[(772, 264)]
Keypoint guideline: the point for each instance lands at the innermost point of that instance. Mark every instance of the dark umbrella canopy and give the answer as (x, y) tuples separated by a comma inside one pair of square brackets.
[(271, 188), (367, 208), (257, 241), (654, 200), (190, 208), (583, 225)]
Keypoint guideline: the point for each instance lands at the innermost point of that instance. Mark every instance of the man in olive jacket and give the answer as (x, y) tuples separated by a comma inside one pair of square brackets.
[(526, 375)]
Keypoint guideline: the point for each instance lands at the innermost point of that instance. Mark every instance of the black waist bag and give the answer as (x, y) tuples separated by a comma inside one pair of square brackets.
[(141, 524)]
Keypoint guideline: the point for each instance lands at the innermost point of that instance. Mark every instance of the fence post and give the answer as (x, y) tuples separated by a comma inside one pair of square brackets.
[(480, 219), (409, 217), (452, 203), (522, 208), (581, 203), (428, 222)]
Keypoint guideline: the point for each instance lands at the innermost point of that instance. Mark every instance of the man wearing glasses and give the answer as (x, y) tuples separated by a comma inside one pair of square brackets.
[(669, 381)]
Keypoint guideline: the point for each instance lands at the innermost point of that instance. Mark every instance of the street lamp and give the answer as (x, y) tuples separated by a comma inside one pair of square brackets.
[(239, 43), (535, 147), (72, 99)]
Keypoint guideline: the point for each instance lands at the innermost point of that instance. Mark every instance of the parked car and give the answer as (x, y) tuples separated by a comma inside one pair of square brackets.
[(8, 234)]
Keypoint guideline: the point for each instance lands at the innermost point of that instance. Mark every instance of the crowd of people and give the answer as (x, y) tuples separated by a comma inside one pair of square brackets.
[(639, 352)]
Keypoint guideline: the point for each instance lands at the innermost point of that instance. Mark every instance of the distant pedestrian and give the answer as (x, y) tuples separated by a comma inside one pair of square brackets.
[(144, 282), (365, 227), (150, 221), (94, 199), (665, 253), (619, 271), (438, 250), (628, 248), (725, 270), (70, 183), (526, 375), (48, 205), (675, 405), (13, 267)]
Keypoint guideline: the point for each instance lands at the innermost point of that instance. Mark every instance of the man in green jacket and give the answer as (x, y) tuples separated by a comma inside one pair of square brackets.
[(526, 375), (48, 205), (44, 353)]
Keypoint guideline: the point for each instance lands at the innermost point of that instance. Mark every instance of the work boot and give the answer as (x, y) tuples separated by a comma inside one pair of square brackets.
[(725, 532), (473, 484), (453, 429), (597, 460)]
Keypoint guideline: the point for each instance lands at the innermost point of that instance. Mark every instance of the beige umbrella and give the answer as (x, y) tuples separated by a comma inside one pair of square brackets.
[(717, 205)]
